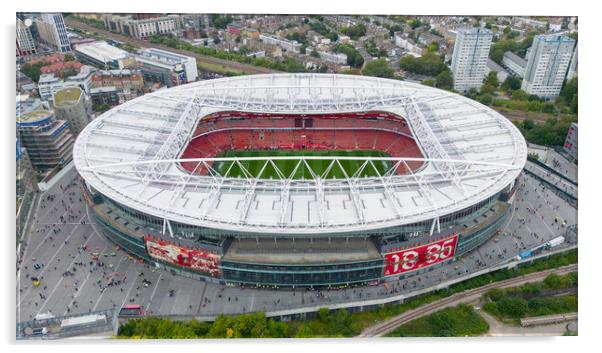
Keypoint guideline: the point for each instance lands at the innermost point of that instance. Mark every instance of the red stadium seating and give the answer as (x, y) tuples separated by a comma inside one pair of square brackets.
[(227, 131)]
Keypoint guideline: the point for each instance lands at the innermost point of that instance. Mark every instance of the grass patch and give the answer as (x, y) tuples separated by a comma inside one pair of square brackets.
[(458, 321), (288, 167)]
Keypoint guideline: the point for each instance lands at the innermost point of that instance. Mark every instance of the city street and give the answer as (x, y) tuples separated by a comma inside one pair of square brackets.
[(63, 241)]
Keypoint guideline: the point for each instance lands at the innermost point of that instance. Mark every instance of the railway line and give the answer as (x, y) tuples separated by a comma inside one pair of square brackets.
[(383, 328), (232, 65)]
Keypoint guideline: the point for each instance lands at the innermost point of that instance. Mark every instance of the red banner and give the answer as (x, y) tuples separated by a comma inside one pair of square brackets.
[(420, 257), (196, 259)]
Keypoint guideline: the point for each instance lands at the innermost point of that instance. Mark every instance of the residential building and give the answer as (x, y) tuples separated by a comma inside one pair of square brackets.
[(129, 83), (573, 66), (408, 44), (52, 31), (49, 84), (469, 61), (171, 69), (547, 65), (335, 58), (141, 28), (515, 64), (70, 105), (570, 143), (285, 44), (61, 68), (25, 44), (104, 95), (102, 55), (48, 140)]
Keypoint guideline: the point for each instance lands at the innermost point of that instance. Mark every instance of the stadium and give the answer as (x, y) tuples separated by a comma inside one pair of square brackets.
[(299, 180)]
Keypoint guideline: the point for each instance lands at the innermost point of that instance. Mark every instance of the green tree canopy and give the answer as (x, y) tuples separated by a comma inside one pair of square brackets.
[(445, 80), (429, 64), (378, 68)]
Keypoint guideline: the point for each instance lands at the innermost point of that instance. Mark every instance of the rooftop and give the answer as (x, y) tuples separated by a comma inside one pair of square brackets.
[(131, 154), (102, 51), (67, 96), (33, 117)]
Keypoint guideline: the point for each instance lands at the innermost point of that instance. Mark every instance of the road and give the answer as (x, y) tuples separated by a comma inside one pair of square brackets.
[(227, 64), (468, 296)]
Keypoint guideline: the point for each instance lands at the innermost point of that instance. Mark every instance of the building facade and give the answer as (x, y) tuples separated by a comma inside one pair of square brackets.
[(573, 66), (52, 30), (515, 64), (171, 69), (469, 61), (141, 28), (105, 95), (49, 84), (570, 143), (70, 105), (102, 55), (547, 65), (129, 83), (48, 140), (285, 44), (25, 44)]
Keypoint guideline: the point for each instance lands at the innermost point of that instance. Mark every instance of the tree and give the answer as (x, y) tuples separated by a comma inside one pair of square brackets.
[(492, 79), (354, 58), (569, 91), (486, 99), (445, 80), (487, 89), (33, 71), (429, 64), (519, 94), (428, 82), (513, 307), (511, 83), (378, 68), (69, 57)]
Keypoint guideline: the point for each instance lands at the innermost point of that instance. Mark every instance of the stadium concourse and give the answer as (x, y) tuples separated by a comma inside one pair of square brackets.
[(76, 275)]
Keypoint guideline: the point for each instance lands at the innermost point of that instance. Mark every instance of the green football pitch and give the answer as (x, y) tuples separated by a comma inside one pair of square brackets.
[(288, 166)]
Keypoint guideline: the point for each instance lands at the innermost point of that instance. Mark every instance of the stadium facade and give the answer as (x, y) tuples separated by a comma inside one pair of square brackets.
[(230, 180)]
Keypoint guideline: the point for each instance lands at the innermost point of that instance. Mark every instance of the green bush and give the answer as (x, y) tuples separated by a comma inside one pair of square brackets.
[(461, 320)]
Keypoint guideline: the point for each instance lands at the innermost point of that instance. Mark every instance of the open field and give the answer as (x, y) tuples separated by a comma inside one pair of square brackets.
[(288, 167)]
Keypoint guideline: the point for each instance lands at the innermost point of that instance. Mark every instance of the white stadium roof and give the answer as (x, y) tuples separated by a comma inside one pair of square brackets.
[(131, 155)]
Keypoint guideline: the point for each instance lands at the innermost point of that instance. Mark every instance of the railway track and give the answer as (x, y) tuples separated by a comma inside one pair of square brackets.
[(233, 65), (383, 328)]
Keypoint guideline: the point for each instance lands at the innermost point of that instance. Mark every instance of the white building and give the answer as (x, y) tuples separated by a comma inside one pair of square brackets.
[(469, 61), (573, 67), (52, 30), (515, 64), (289, 45), (409, 45), (102, 55), (25, 43), (547, 65), (141, 28), (49, 84), (171, 69), (336, 58)]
